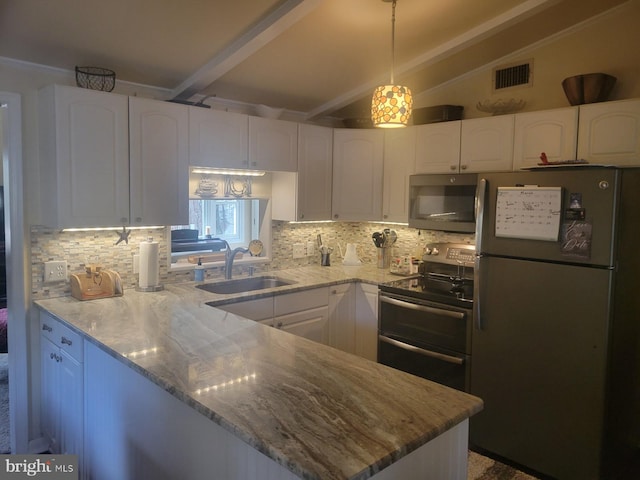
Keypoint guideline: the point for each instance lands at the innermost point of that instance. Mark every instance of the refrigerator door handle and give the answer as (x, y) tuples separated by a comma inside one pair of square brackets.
[(481, 194), (477, 317)]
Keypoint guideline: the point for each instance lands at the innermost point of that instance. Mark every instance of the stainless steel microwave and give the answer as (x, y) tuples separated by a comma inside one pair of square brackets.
[(443, 202)]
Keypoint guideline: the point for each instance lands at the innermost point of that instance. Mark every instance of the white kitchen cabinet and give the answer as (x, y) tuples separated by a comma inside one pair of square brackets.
[(159, 162), (438, 147), (84, 157), (315, 172), (357, 174), (366, 319), (399, 163), (109, 160), (273, 145), (554, 132), (218, 139), (306, 195), (259, 309), (609, 133), (305, 314), (62, 387), (487, 144), (312, 324), (342, 324)]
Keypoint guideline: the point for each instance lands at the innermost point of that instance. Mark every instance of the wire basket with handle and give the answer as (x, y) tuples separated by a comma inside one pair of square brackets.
[(95, 78)]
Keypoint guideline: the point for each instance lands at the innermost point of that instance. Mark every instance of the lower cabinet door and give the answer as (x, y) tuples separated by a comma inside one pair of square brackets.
[(49, 396), (71, 388), (312, 324)]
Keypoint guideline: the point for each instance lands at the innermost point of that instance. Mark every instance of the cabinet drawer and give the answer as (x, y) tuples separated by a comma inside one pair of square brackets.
[(62, 336), (299, 301), (258, 309)]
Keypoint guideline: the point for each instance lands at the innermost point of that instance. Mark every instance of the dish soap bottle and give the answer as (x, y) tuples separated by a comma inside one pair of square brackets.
[(199, 271)]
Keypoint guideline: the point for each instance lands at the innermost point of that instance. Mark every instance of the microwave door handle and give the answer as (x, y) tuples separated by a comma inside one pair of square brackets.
[(421, 351)]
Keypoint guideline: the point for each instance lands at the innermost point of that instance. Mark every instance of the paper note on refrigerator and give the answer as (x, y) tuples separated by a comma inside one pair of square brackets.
[(529, 212)]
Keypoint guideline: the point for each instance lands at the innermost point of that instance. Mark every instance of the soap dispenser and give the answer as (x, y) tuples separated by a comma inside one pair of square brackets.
[(199, 271)]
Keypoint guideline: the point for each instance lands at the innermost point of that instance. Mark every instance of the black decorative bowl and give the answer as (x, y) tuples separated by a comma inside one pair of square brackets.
[(588, 88)]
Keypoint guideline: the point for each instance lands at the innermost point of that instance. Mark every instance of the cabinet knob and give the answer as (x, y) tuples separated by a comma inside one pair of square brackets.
[(453, 167), (47, 328), (335, 215), (301, 216), (279, 325), (65, 340), (138, 219), (463, 167)]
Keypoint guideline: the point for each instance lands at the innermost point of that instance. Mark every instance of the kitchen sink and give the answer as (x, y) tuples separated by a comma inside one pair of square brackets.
[(245, 284)]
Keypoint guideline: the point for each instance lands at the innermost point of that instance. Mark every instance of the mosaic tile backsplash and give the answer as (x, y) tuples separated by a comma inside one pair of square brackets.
[(80, 248)]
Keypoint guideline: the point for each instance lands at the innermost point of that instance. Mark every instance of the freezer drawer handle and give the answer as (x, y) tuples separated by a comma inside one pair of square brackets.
[(422, 308), (421, 351)]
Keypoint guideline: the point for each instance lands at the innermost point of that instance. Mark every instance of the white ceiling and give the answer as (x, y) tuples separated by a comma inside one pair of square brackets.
[(318, 57)]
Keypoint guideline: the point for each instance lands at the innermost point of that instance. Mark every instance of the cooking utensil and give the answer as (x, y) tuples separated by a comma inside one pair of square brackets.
[(392, 236), (378, 239)]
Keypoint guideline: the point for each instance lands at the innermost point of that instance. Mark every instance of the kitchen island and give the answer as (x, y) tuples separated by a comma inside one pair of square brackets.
[(177, 388)]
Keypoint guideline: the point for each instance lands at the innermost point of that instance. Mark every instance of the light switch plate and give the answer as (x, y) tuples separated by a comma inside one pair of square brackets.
[(55, 271)]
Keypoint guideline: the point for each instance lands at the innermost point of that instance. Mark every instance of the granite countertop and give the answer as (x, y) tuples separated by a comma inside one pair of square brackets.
[(322, 413)]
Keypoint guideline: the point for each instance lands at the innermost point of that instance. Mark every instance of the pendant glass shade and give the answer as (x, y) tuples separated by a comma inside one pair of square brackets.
[(391, 106)]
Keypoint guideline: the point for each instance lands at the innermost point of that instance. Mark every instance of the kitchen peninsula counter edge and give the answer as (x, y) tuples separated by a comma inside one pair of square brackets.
[(281, 394)]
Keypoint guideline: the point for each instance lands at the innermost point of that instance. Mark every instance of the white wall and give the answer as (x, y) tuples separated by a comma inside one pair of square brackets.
[(607, 44)]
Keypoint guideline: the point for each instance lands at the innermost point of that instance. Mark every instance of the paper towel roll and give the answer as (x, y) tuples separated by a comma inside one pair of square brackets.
[(149, 264)]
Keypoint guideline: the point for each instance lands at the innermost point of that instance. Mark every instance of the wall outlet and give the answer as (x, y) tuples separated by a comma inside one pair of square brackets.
[(55, 271), (299, 250), (311, 248)]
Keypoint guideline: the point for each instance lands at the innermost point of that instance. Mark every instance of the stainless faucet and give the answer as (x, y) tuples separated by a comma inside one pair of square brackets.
[(229, 256)]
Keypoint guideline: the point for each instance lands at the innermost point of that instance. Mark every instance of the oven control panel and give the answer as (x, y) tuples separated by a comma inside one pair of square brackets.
[(451, 253), (461, 255)]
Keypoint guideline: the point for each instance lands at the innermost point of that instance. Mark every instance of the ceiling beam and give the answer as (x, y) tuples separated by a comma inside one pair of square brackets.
[(447, 49), (269, 27)]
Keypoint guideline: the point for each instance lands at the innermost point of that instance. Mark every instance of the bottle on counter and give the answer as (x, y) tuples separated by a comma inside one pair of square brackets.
[(199, 271)]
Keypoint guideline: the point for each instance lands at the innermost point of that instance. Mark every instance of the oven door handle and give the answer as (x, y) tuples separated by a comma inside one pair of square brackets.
[(422, 308), (421, 351)]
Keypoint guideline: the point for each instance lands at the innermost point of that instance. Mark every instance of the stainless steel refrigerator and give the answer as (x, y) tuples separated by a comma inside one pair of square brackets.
[(555, 349)]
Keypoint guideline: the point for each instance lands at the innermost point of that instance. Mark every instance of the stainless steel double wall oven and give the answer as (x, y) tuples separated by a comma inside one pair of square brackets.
[(425, 321)]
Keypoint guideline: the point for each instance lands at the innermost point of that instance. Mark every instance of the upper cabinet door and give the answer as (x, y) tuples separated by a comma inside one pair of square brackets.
[(554, 132), (218, 139), (315, 173), (487, 144), (273, 145), (399, 163), (159, 162), (357, 174), (438, 147), (84, 157), (609, 133)]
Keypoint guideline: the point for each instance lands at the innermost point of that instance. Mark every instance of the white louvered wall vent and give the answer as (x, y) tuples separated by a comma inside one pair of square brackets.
[(513, 75)]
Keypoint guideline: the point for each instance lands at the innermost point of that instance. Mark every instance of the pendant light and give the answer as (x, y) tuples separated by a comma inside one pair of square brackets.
[(391, 104)]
